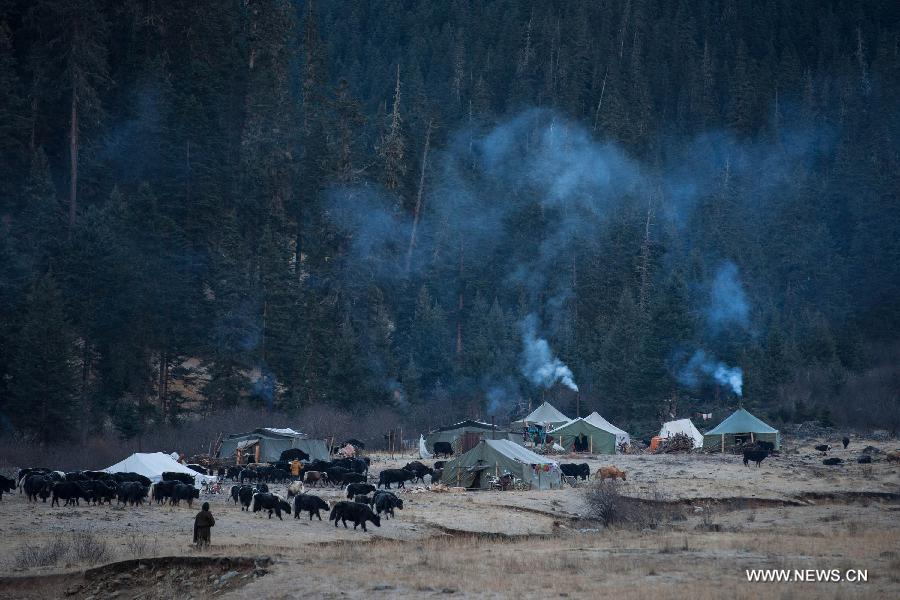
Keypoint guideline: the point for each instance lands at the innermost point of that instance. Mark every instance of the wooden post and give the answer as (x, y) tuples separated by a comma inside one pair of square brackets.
[(401, 442), (591, 445), (751, 437), (723, 443)]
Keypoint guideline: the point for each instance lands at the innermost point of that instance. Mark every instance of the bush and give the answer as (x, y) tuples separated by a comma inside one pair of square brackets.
[(140, 546), (88, 548), (80, 547), (51, 552), (607, 505)]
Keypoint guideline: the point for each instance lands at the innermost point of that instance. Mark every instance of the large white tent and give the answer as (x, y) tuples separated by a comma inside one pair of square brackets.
[(152, 465), (545, 414), (596, 420), (685, 426)]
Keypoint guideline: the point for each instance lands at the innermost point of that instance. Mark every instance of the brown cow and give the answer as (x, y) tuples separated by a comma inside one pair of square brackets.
[(609, 472), (893, 456)]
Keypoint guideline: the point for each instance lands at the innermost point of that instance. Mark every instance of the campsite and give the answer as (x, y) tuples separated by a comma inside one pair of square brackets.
[(684, 516)]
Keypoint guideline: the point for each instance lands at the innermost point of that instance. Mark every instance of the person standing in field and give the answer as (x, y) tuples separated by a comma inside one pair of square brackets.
[(203, 522), (295, 468)]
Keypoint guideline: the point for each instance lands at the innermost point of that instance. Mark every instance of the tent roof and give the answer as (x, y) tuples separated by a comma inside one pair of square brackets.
[(546, 413), (741, 421), (467, 423), (598, 421), (271, 432), (152, 465), (518, 453), (579, 421), (685, 426)]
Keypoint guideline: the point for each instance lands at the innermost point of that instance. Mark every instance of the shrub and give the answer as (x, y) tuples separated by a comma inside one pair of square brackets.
[(49, 553)]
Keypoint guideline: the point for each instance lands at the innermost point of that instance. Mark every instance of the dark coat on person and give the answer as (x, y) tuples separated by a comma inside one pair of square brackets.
[(203, 522)]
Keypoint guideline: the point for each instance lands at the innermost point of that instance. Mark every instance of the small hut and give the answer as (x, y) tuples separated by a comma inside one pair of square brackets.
[(474, 469), (740, 427)]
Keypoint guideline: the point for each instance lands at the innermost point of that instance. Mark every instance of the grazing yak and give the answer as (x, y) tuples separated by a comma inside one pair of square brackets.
[(354, 489), (756, 456), (893, 456), (183, 491), (439, 464), (309, 503), (295, 489), (845, 441), (37, 486), (99, 491), (355, 465), (398, 476), (131, 492), (442, 449), (609, 473), (245, 495), (436, 475), (261, 488), (865, 459), (353, 511), (419, 470), (179, 477), (349, 478), (834, 460), (386, 502), (69, 491), (576, 470), (823, 448), (312, 478), (162, 491), (133, 477), (272, 503), (6, 485), (23, 474), (336, 474)]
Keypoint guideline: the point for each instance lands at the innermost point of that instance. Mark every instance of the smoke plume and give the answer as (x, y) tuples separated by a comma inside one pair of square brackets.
[(703, 365), (539, 365)]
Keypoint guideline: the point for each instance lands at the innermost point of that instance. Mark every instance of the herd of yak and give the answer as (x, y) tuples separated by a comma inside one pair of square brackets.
[(366, 502)]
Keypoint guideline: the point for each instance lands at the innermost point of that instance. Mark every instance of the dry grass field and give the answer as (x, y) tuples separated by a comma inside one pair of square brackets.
[(700, 522)]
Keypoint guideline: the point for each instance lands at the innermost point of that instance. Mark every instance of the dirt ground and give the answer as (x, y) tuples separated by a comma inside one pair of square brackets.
[(721, 518)]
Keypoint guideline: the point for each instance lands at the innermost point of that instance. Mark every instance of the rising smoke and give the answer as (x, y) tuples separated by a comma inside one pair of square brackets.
[(486, 188), (701, 364), (539, 365)]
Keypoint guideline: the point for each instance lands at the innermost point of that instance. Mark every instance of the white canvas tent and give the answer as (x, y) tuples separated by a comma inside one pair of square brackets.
[(596, 420), (545, 415), (685, 426), (152, 465)]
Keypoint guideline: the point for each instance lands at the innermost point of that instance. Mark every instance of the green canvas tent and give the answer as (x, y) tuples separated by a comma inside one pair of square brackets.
[(271, 443), (475, 468), (740, 427), (596, 439), (450, 433)]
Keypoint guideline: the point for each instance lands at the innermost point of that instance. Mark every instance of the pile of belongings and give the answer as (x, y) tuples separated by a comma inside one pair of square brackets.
[(680, 442)]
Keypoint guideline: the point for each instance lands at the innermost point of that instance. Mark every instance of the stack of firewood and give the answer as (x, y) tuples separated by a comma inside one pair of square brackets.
[(680, 442)]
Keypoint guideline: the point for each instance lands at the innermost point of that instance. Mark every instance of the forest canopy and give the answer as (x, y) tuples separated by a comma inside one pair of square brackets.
[(447, 209)]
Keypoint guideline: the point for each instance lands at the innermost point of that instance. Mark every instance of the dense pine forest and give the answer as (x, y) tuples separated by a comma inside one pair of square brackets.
[(445, 209)]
